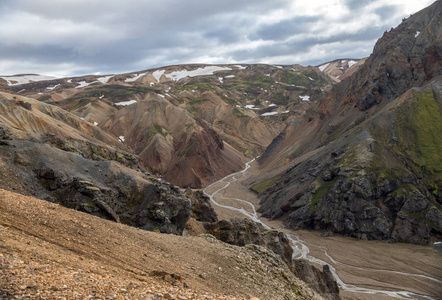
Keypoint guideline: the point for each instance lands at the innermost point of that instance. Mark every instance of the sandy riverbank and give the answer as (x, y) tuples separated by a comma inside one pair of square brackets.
[(368, 264)]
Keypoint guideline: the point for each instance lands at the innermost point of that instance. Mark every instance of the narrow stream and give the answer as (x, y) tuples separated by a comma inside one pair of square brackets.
[(300, 248)]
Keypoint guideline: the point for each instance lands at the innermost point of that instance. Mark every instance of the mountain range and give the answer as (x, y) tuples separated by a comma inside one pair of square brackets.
[(350, 147)]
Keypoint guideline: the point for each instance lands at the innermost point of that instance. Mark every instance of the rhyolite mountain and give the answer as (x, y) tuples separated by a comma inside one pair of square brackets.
[(190, 124), (366, 162)]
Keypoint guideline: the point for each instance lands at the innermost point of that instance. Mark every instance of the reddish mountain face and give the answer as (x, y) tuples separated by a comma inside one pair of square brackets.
[(190, 124)]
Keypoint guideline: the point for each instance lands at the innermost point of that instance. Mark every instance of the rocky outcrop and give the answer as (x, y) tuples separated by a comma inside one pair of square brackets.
[(245, 232), (405, 57), (202, 210), (102, 188), (322, 282)]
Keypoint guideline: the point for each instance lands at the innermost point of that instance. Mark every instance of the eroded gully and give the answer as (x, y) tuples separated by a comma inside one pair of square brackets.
[(300, 247)]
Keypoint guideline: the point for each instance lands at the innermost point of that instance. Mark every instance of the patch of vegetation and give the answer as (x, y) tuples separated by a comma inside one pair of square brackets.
[(183, 153), (44, 98), (193, 110), (153, 130), (280, 99), (200, 83), (306, 78), (323, 190), (197, 101), (110, 91), (79, 104), (266, 184), (228, 100), (237, 112), (427, 123)]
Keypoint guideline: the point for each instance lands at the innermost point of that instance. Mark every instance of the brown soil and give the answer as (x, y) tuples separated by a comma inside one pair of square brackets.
[(372, 256), (50, 251)]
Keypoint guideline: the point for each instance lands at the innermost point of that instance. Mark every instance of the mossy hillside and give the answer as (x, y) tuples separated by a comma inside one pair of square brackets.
[(44, 98), (252, 85), (306, 78), (153, 130), (419, 127), (110, 92), (266, 184), (322, 189), (201, 84)]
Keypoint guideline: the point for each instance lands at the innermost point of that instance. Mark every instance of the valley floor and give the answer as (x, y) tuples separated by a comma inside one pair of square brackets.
[(374, 265)]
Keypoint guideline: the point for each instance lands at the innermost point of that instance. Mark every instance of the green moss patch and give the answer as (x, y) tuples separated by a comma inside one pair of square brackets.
[(266, 184)]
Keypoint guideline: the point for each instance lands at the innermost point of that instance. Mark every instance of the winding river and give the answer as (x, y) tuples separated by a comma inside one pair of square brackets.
[(300, 247)]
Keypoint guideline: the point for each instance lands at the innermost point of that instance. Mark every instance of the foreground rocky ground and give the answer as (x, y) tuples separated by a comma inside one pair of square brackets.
[(51, 252)]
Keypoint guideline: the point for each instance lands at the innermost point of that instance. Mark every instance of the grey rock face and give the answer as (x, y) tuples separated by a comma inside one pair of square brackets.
[(245, 232), (104, 188)]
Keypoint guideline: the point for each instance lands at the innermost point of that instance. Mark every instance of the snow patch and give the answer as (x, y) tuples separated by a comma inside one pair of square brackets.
[(105, 79), (152, 84), (162, 96), (157, 74), (322, 67), (437, 243), (26, 79), (272, 113), (52, 87), (101, 97), (311, 78), (121, 138), (82, 84), (272, 104), (40, 93), (351, 63), (220, 79), (69, 81), (177, 75), (286, 111), (229, 76), (95, 123), (138, 76), (126, 103), (250, 106), (417, 34), (240, 67), (305, 98)]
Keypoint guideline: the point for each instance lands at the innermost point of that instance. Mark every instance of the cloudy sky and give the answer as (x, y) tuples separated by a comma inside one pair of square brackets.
[(77, 37)]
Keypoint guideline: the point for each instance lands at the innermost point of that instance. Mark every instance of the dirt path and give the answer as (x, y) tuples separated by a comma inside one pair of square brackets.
[(368, 269)]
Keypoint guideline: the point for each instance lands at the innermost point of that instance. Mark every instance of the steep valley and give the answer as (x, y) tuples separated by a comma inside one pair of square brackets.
[(367, 269)]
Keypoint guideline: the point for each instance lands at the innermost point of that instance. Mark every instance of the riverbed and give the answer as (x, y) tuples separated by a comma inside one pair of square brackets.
[(363, 269)]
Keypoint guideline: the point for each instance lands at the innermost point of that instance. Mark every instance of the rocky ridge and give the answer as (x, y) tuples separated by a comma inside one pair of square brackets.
[(370, 164)]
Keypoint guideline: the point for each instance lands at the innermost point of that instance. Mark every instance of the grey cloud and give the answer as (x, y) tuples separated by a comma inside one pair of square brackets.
[(386, 11), (286, 28), (357, 4), (118, 36)]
